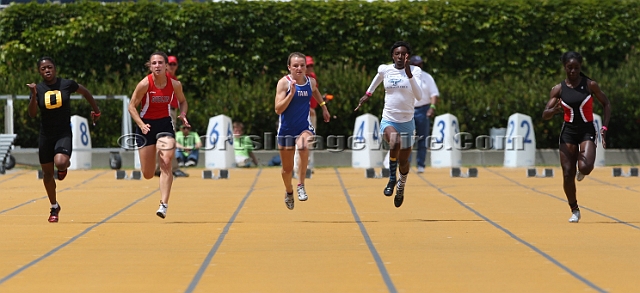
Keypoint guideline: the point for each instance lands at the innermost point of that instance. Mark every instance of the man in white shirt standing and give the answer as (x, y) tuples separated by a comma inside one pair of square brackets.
[(424, 110)]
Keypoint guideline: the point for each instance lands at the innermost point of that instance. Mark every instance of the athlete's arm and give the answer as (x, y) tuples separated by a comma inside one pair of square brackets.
[(33, 100), (89, 97), (282, 99), (416, 82), (372, 87), (136, 99), (177, 89), (595, 90), (554, 105)]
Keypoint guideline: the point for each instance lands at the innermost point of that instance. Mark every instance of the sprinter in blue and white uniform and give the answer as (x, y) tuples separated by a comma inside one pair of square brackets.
[(295, 129), (402, 89), (574, 97)]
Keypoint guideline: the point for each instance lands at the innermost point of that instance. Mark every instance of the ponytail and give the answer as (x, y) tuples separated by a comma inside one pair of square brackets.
[(584, 75)]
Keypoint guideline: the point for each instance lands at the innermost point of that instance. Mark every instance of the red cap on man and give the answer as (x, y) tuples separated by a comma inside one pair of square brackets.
[(309, 60), (173, 59)]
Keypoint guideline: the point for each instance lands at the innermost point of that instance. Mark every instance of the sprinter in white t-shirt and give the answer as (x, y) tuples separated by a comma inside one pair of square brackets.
[(402, 89)]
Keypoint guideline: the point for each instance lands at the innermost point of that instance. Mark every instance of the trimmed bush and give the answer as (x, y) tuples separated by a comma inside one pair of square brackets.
[(489, 58)]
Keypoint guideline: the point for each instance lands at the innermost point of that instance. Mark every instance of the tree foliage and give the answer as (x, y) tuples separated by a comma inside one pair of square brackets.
[(489, 58)]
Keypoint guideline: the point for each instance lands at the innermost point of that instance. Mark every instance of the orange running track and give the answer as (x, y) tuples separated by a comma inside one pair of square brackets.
[(500, 232)]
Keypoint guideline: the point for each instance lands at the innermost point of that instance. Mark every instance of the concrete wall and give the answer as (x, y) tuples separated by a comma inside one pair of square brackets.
[(544, 157)]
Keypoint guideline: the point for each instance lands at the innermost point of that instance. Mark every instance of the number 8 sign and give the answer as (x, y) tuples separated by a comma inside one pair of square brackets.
[(81, 143)]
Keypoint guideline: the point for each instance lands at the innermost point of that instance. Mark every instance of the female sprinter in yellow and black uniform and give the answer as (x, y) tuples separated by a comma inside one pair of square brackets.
[(52, 96)]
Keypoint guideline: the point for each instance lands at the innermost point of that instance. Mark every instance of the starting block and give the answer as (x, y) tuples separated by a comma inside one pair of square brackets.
[(41, 174), (371, 173), (121, 174), (209, 174), (471, 173), (633, 172), (136, 175), (532, 172)]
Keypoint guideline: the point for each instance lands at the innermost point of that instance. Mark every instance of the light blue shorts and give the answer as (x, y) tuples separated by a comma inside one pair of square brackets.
[(405, 129)]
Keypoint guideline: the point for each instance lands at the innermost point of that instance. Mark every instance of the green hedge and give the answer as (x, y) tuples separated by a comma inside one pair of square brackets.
[(214, 40), (490, 58)]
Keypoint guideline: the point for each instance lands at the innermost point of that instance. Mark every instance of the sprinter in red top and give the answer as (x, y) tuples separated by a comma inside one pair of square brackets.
[(154, 128), (574, 97)]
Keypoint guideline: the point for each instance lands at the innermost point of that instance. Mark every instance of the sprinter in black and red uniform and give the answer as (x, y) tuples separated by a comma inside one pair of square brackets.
[(574, 97), (53, 97), (155, 130)]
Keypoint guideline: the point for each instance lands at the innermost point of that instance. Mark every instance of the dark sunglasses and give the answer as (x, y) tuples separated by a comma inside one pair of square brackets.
[(173, 64)]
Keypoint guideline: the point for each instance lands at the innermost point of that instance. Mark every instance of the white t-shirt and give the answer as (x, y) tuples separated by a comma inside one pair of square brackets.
[(429, 89), (401, 92)]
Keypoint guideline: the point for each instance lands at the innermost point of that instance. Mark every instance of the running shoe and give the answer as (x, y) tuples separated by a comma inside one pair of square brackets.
[(579, 176), (575, 217), (397, 201), (162, 210), (53, 217), (388, 191), (288, 200), (62, 174), (302, 194), (420, 170)]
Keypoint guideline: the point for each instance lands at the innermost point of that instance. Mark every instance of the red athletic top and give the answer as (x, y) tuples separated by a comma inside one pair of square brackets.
[(155, 104), (313, 102), (577, 103)]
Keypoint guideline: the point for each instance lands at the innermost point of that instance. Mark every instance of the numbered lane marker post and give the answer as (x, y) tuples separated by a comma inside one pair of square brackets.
[(136, 159), (600, 159), (385, 161), (520, 142), (81, 143), (366, 142), (218, 151), (445, 142)]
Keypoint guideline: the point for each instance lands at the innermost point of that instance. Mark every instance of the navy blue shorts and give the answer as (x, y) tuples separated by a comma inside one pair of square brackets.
[(159, 128), (287, 138)]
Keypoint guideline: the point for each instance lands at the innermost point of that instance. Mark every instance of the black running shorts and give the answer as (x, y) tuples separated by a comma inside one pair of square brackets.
[(49, 146), (159, 128), (577, 133)]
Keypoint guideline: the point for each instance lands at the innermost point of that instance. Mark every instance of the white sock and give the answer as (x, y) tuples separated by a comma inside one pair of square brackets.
[(55, 205)]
